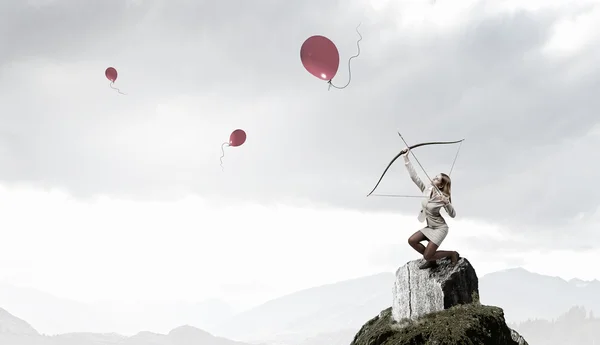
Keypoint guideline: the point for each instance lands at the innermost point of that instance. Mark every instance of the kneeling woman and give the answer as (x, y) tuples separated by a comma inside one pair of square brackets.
[(436, 229)]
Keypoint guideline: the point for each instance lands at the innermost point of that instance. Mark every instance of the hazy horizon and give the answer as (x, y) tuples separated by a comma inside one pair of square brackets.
[(236, 309), (217, 318)]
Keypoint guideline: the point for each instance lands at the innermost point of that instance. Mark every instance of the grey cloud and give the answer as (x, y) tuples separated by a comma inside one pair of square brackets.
[(487, 82)]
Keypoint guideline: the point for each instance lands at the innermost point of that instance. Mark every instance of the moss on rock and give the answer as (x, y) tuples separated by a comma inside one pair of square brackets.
[(472, 324)]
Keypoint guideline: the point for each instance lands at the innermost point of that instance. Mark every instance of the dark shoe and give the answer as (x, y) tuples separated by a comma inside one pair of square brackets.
[(428, 264), (454, 258)]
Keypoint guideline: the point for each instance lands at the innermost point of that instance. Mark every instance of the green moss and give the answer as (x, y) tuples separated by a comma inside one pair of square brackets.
[(463, 324), (475, 297)]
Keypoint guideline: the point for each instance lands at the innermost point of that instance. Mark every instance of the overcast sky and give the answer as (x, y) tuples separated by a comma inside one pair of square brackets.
[(106, 196)]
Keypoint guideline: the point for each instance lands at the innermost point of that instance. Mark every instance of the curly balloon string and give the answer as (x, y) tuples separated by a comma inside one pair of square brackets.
[(223, 155), (350, 59), (114, 88)]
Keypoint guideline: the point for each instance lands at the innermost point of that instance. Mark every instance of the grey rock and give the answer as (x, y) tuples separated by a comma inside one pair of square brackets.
[(517, 338), (418, 292)]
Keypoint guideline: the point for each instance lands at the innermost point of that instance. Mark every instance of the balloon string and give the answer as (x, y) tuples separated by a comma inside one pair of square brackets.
[(119, 91), (222, 155), (352, 57)]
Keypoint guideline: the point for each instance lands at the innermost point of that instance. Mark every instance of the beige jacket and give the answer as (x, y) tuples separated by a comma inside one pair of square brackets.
[(431, 204)]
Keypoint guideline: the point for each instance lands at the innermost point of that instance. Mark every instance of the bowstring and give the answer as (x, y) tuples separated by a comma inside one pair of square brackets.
[(455, 157), (399, 196)]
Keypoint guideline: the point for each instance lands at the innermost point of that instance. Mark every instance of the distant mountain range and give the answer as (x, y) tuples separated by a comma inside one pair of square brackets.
[(14, 331), (332, 314), (525, 295), (324, 315), (576, 326), (40, 308), (321, 311)]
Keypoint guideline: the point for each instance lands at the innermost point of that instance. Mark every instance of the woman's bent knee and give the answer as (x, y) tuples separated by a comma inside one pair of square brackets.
[(416, 238)]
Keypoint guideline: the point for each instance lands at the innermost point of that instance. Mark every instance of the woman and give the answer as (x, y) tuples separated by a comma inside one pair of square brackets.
[(436, 229)]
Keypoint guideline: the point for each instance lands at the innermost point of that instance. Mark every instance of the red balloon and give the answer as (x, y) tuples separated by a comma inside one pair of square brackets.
[(111, 74), (237, 138), (320, 57)]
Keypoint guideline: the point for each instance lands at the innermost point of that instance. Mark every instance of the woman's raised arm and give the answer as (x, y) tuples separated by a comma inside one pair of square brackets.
[(413, 174)]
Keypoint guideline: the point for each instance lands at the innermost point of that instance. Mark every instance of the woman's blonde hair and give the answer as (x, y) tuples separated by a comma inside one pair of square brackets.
[(446, 186)]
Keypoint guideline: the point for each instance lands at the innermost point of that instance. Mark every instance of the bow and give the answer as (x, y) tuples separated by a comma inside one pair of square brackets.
[(411, 148)]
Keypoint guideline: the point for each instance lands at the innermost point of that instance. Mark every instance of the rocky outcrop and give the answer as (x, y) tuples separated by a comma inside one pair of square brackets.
[(517, 338), (470, 324), (419, 292), (437, 306)]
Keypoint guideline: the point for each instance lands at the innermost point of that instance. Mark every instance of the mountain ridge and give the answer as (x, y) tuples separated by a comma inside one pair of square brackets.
[(10, 324), (334, 309), (497, 288), (37, 307), (16, 331)]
